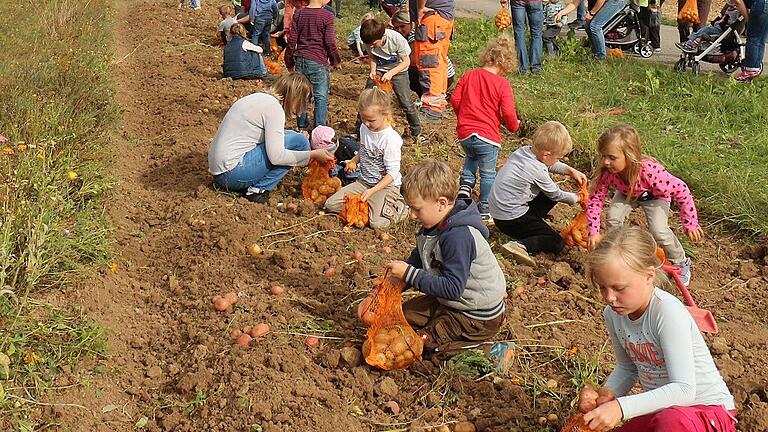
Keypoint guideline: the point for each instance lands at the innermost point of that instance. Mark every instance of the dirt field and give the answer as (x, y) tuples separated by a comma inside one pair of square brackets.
[(171, 358)]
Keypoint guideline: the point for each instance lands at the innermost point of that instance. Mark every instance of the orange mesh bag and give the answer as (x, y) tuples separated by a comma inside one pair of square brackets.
[(354, 211), (577, 232), (689, 12), (318, 185), (391, 343), (385, 86), (661, 255), (503, 19), (576, 424), (616, 53)]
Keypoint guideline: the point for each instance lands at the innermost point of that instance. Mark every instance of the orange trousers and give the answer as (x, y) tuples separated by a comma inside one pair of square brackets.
[(430, 50)]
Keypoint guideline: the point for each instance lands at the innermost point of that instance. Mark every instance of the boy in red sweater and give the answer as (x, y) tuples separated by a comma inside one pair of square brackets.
[(479, 97)]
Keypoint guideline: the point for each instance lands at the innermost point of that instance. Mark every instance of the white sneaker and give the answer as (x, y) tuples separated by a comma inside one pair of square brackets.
[(487, 219), (517, 252)]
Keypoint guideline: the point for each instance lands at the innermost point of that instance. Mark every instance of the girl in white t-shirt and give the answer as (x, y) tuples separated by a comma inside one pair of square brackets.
[(378, 162), (656, 343)]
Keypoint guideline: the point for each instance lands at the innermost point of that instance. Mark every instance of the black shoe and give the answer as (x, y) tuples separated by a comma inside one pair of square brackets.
[(258, 197), (465, 192)]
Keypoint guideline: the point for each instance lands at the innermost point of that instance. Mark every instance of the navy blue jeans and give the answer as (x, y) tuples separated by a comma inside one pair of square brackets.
[(757, 30), (320, 79), (255, 169), (260, 35), (533, 12), (480, 156)]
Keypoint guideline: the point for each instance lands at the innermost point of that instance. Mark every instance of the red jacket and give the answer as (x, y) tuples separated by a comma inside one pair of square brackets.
[(478, 100)]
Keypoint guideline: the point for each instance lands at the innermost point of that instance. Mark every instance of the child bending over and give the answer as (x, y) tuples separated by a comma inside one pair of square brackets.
[(354, 42), (640, 181), (656, 342), (552, 26), (389, 56), (452, 264), (480, 96), (524, 193), (379, 163)]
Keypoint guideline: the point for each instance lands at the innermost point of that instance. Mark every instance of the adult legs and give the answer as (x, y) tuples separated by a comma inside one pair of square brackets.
[(535, 14), (597, 38), (433, 39), (519, 16), (757, 29)]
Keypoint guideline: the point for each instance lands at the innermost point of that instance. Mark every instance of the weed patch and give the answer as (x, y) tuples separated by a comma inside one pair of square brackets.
[(56, 116)]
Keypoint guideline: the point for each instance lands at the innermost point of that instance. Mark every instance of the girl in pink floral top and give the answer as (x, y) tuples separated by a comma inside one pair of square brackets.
[(640, 181)]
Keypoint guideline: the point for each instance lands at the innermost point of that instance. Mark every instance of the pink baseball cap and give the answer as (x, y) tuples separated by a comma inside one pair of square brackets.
[(322, 138)]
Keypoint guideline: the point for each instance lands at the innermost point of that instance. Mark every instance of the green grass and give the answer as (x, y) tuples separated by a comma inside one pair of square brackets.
[(57, 112)]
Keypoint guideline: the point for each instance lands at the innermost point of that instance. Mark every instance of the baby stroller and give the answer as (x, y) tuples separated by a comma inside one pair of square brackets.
[(623, 31), (727, 51)]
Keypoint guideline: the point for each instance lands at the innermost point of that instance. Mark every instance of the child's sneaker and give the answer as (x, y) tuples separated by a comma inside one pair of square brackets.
[(465, 192), (685, 271), (518, 252), (501, 355), (487, 219), (690, 47), (744, 75), (420, 140)]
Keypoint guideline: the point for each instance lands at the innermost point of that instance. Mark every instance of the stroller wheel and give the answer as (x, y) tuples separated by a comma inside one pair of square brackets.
[(729, 68), (696, 68), (680, 65), (646, 50)]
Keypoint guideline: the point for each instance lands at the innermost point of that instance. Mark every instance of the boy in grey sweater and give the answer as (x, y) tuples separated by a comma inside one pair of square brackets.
[(452, 264), (524, 193)]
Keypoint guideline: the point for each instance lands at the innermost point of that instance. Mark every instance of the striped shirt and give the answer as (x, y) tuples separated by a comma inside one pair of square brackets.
[(380, 154), (312, 37), (411, 38)]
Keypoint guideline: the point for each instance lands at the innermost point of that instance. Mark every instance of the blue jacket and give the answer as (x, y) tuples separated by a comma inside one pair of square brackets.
[(239, 63), (454, 262), (263, 10)]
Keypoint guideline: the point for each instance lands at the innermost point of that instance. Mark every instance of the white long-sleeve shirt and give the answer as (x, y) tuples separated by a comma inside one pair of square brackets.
[(380, 154), (256, 119), (665, 351), (520, 180)]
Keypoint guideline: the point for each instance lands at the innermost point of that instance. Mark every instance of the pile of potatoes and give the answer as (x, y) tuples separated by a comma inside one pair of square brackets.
[(394, 347), (318, 185), (503, 19)]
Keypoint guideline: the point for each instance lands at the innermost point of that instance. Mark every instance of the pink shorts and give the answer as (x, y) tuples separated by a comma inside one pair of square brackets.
[(697, 418)]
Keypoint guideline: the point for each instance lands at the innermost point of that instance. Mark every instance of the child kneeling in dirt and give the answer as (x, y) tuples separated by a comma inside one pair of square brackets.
[(523, 193), (656, 342), (452, 264), (379, 163)]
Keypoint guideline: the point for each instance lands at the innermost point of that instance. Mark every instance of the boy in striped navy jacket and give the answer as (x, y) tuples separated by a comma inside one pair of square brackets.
[(452, 264)]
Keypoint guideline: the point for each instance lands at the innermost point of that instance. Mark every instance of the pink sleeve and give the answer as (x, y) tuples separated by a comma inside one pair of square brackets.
[(664, 185), (595, 203), (508, 108)]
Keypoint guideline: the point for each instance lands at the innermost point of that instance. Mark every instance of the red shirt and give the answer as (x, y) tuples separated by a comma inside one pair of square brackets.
[(477, 100), (312, 37)]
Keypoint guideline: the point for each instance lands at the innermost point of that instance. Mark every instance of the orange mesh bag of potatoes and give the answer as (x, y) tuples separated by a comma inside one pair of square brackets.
[(577, 232), (385, 86), (689, 12), (616, 53), (391, 342), (503, 19), (576, 424), (318, 185), (354, 211)]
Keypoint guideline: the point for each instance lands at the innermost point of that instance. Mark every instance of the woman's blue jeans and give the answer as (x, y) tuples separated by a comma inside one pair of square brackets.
[(595, 27), (757, 30), (533, 12), (480, 155), (318, 76), (255, 169)]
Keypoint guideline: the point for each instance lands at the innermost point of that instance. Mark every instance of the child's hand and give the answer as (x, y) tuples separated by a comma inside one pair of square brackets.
[(350, 166), (367, 194), (593, 240), (579, 176), (695, 234), (387, 76), (604, 417), (372, 76), (336, 66), (397, 268)]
